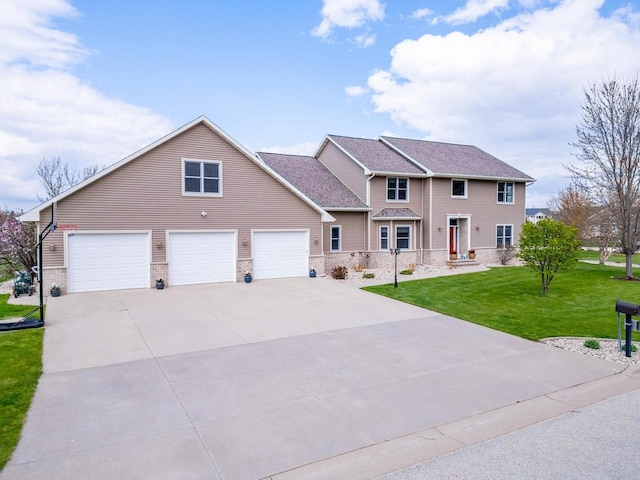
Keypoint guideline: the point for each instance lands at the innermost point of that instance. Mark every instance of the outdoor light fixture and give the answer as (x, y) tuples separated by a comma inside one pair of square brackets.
[(203, 214), (160, 244), (52, 247), (477, 228), (245, 242), (395, 252), (439, 228)]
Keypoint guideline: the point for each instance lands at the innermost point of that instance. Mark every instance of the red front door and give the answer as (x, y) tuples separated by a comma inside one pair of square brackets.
[(453, 239)]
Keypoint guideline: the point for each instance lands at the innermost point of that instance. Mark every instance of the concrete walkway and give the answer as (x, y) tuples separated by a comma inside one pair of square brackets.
[(281, 379)]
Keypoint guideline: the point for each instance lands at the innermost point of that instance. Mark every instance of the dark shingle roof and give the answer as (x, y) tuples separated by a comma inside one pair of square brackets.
[(404, 213), (375, 155), (313, 179), (448, 159), (533, 211)]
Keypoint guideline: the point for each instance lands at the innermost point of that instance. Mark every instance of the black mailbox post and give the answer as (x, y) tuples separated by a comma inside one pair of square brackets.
[(629, 309)]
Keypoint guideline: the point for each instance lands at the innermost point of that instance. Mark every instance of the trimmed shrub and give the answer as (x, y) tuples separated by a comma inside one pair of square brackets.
[(593, 344), (506, 254), (339, 272)]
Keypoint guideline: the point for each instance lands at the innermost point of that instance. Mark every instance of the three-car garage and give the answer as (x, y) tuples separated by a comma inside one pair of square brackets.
[(116, 261)]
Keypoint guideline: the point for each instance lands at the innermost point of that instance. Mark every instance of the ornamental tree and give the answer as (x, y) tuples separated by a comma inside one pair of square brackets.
[(548, 247), (17, 245), (609, 153)]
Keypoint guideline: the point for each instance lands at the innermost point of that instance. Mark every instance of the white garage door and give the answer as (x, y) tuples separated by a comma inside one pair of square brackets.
[(202, 257), (107, 261), (280, 254)]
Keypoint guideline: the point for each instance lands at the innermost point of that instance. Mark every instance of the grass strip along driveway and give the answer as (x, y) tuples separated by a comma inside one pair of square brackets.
[(580, 303), (20, 369)]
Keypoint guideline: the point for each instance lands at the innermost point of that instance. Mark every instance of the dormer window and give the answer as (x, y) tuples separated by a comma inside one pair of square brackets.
[(397, 189), (458, 188)]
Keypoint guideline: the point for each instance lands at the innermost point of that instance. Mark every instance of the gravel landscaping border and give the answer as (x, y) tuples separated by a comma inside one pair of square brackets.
[(608, 349)]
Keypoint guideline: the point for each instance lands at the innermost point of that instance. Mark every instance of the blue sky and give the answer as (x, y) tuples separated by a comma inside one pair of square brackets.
[(93, 81)]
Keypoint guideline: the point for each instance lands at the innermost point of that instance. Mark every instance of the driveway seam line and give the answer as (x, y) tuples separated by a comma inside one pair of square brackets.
[(177, 397)]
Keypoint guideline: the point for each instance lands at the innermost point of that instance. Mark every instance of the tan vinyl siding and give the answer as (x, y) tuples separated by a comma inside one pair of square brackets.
[(146, 194), (349, 172), (354, 231), (482, 205)]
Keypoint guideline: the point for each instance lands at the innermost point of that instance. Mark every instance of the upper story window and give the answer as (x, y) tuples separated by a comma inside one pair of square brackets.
[(397, 189), (336, 240), (505, 192), (459, 188), (201, 177)]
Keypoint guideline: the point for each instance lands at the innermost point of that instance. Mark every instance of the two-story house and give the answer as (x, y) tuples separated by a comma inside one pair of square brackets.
[(534, 215), (432, 200), (197, 207)]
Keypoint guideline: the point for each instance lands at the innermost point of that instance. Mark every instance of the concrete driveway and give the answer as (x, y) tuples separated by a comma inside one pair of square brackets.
[(282, 379)]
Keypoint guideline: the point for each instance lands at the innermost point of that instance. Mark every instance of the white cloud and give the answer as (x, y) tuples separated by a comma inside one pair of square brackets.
[(45, 111), (26, 34), (421, 13), (355, 91), (305, 148), (473, 10), (347, 14), (365, 40), (514, 90)]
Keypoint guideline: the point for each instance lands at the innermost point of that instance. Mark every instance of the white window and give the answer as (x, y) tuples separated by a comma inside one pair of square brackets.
[(336, 238), (201, 177), (397, 189), (504, 235), (505, 192), (403, 237), (459, 188), (384, 238)]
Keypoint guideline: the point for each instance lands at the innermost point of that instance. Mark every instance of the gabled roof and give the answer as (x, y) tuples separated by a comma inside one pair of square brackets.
[(447, 159), (315, 180), (396, 214), (375, 156), (33, 215), (530, 212)]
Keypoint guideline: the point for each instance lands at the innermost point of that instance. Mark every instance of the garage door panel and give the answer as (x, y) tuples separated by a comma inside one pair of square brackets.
[(280, 254), (202, 257), (109, 261)]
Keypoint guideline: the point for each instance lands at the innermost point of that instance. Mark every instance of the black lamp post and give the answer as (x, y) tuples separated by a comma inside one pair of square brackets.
[(395, 252)]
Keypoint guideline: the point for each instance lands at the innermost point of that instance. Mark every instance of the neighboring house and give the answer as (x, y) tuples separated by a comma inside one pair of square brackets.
[(193, 207), (534, 215), (429, 199)]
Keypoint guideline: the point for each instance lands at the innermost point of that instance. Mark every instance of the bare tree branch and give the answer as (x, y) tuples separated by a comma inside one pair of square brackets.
[(608, 143), (56, 177)]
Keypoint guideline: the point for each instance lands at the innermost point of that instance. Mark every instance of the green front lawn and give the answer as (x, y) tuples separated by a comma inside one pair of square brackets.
[(10, 311), (616, 257), (580, 303), (20, 369)]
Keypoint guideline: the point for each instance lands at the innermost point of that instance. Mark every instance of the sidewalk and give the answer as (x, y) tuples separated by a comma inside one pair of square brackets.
[(598, 441)]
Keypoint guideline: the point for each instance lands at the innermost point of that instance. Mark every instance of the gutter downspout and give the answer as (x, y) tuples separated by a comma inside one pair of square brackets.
[(431, 215), (368, 202), (422, 224)]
